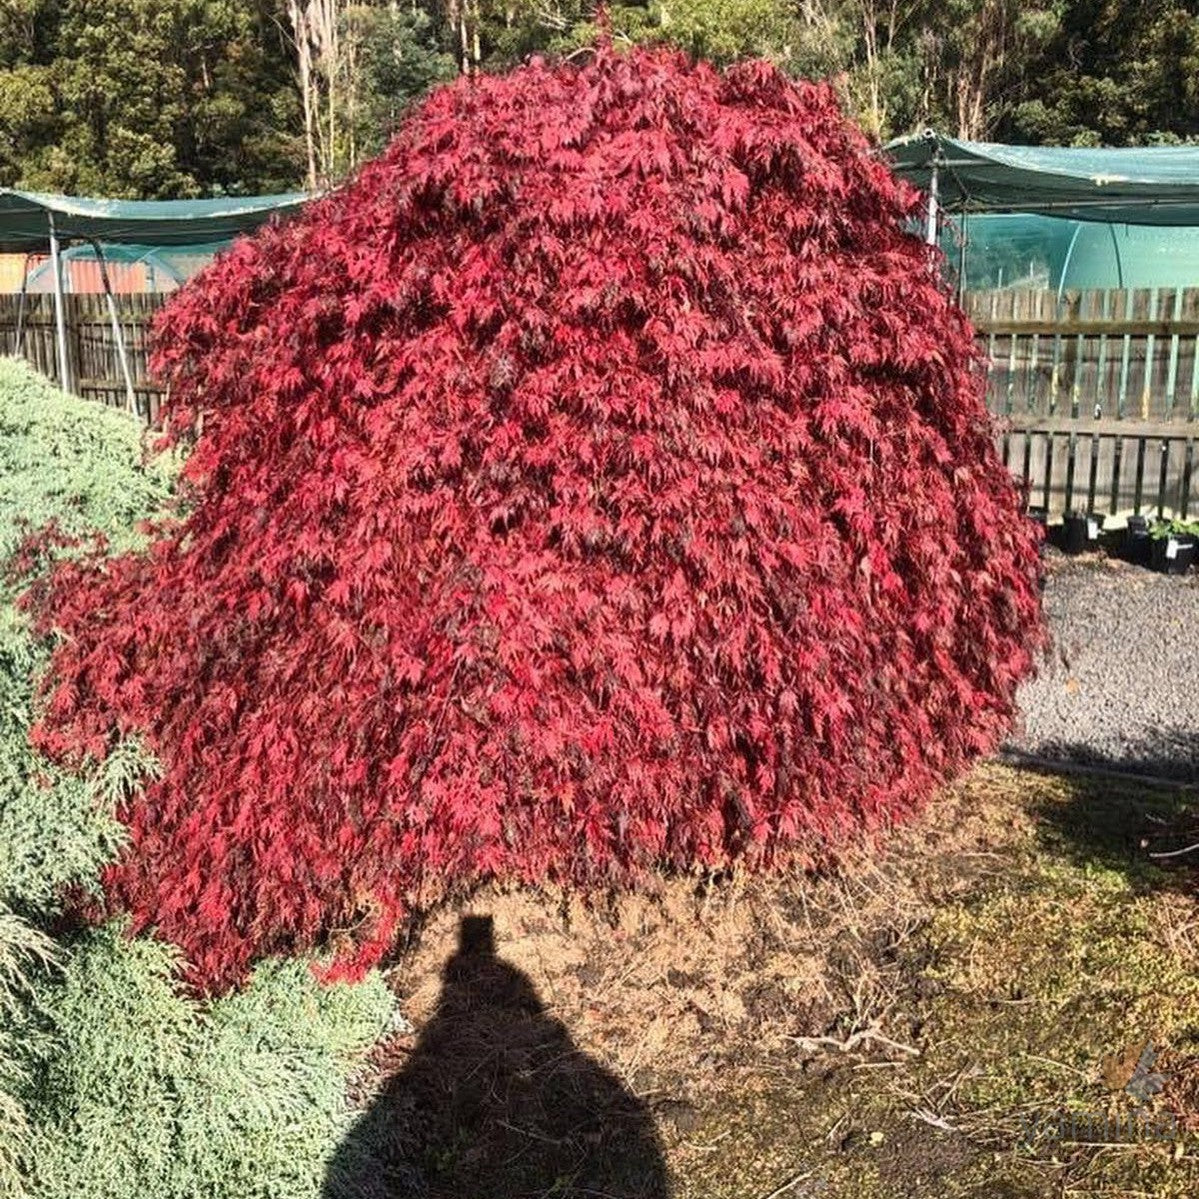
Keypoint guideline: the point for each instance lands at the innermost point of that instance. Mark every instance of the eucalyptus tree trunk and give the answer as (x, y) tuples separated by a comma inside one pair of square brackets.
[(315, 33), (297, 14)]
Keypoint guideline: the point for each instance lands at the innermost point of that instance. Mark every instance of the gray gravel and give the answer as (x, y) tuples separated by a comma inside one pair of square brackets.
[(1120, 687)]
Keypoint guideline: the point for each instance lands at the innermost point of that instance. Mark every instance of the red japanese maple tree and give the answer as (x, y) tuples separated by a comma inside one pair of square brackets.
[(601, 479)]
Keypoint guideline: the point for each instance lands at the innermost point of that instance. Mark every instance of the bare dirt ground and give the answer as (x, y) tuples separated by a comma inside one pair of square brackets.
[(964, 1013)]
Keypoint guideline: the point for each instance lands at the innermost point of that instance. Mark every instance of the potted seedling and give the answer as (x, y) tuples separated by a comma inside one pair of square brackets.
[(1138, 544), (1174, 546), (1080, 531)]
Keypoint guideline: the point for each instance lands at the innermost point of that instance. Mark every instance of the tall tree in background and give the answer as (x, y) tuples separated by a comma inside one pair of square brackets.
[(146, 98), (357, 66), (26, 98), (157, 98), (1113, 74), (314, 34), (973, 59), (883, 67), (390, 56)]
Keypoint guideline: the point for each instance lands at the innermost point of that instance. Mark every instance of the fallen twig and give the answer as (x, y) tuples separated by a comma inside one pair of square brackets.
[(791, 1182), (870, 1033), (927, 1117), (1175, 853)]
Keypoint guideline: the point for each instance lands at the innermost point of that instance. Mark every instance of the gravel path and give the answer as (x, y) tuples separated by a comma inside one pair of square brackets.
[(1120, 687)]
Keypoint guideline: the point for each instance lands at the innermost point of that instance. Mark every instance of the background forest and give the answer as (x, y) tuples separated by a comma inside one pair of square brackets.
[(178, 98)]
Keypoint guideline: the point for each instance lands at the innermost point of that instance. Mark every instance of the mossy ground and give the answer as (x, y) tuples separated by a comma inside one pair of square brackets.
[(1029, 990), (922, 1024)]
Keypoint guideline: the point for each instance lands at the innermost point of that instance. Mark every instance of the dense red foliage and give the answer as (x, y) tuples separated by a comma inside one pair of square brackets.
[(601, 479)]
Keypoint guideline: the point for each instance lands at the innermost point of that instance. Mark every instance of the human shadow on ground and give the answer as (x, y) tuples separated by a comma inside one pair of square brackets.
[(496, 1102)]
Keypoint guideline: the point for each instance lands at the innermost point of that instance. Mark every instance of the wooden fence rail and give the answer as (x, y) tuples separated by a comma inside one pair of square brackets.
[(91, 345), (1096, 393)]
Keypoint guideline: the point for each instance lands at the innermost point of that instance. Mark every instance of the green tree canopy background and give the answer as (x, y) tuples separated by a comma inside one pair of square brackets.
[(177, 98)]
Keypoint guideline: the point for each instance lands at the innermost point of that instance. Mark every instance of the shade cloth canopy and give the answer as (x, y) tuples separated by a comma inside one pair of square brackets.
[(25, 219), (1153, 185)]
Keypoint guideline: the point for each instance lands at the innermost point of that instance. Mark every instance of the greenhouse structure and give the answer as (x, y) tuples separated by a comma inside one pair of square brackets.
[(55, 241), (1058, 217), (1079, 269)]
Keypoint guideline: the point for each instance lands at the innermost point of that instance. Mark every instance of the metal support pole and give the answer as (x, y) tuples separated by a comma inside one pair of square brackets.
[(130, 394), (930, 235), (965, 232), (1061, 283), (60, 320)]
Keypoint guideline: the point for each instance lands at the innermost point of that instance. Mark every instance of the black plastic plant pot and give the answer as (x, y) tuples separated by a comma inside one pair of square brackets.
[(1175, 554), (1080, 531), (1138, 545)]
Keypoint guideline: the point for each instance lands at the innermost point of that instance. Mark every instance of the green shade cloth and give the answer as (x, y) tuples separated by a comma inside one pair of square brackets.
[(1154, 185), (24, 218)]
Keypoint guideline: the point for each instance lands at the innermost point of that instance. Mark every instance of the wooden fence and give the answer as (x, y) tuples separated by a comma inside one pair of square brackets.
[(91, 346), (1096, 394)]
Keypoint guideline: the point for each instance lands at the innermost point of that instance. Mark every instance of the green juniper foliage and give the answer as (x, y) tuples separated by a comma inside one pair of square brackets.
[(24, 951), (151, 1096), (113, 1083), (80, 466)]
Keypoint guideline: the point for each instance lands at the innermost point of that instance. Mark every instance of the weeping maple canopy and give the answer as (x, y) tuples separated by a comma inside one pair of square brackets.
[(601, 479)]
